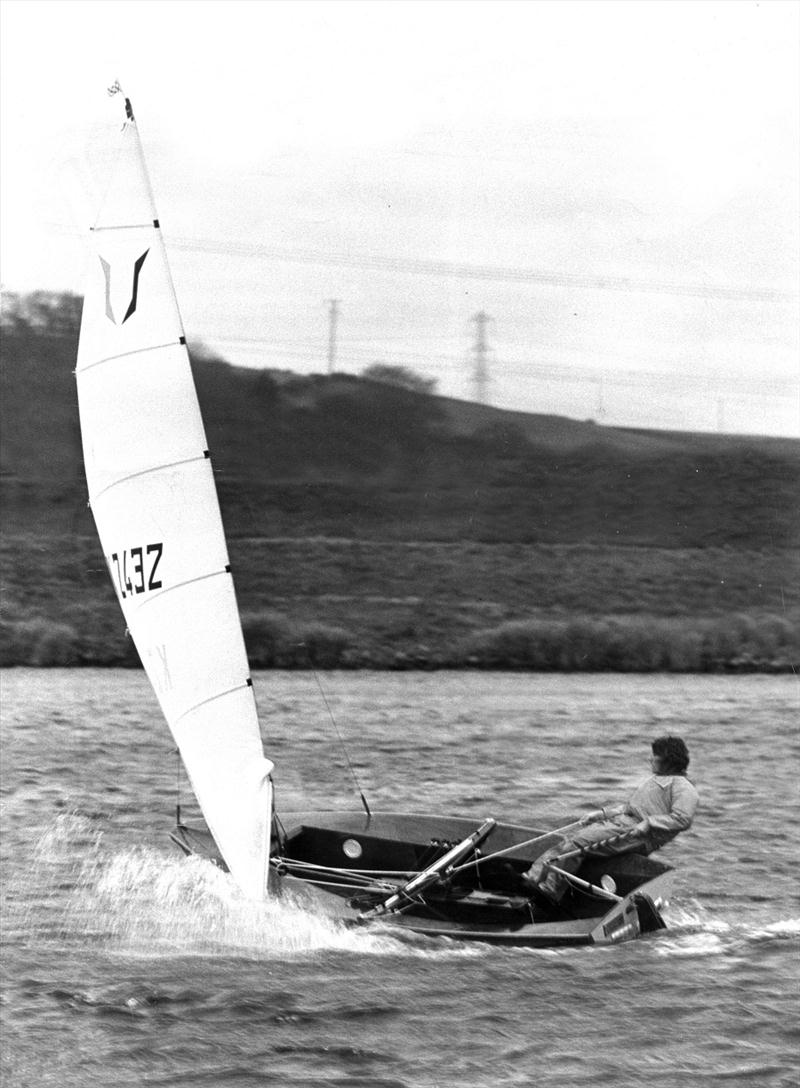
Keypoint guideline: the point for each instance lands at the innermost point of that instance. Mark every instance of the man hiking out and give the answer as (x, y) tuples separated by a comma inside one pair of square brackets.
[(658, 809)]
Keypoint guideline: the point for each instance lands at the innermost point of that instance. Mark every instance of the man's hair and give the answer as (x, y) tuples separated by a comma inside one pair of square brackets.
[(673, 752)]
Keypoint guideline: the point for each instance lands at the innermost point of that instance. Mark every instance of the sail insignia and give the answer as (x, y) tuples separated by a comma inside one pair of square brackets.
[(134, 292)]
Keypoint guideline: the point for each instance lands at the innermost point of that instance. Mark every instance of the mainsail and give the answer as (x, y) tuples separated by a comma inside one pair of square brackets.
[(154, 501)]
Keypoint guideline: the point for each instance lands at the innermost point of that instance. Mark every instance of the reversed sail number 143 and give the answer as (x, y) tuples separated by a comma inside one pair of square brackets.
[(136, 569)]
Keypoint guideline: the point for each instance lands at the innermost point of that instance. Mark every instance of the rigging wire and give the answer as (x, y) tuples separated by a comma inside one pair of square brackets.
[(178, 765), (340, 738)]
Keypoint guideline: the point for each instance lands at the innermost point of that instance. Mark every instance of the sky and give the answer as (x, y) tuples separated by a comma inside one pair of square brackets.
[(614, 184)]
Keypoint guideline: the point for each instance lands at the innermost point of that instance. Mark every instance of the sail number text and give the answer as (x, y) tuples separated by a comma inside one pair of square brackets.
[(136, 569)]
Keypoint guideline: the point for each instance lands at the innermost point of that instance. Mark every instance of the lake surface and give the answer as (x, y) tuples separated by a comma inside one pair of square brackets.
[(126, 965)]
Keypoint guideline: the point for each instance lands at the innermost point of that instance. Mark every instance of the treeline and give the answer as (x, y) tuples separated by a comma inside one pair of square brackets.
[(725, 644)]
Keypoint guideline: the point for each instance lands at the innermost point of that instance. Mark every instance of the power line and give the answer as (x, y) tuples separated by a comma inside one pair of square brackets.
[(568, 372), (454, 270), (496, 273), (570, 375)]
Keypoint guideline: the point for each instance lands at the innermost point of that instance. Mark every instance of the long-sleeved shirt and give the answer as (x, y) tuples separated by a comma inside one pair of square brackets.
[(668, 801)]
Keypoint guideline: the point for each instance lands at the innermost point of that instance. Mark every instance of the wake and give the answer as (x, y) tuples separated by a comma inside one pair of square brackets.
[(694, 931), (144, 902)]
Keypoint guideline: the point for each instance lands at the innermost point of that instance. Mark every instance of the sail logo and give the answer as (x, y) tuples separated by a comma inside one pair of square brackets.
[(134, 290)]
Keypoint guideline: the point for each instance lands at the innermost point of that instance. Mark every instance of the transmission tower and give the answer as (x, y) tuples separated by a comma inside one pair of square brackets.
[(480, 376), (333, 315)]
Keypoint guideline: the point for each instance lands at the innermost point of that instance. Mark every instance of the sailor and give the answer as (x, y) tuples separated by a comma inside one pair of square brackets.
[(659, 808)]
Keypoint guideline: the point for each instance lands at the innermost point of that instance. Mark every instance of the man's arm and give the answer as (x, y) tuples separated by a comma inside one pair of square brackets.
[(681, 814), (603, 814)]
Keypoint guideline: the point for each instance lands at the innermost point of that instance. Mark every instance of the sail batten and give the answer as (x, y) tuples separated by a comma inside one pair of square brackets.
[(211, 698), (152, 470), (154, 501), (152, 225), (183, 585), (127, 354)]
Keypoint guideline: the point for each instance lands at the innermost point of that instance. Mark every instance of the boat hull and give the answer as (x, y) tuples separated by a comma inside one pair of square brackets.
[(348, 864)]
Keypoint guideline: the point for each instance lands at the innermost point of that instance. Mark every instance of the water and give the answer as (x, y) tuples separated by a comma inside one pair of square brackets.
[(125, 964)]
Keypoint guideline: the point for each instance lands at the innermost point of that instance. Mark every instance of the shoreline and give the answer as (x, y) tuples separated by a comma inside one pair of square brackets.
[(722, 645)]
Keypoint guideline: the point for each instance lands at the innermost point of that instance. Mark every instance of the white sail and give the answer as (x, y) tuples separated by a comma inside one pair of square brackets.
[(154, 501)]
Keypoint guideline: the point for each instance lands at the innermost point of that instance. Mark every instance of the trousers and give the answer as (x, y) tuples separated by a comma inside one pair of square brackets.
[(553, 884)]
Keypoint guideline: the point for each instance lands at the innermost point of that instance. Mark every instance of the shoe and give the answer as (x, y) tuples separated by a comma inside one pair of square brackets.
[(537, 892)]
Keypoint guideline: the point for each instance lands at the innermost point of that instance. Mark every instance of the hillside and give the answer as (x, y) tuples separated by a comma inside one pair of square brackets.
[(345, 457), (379, 526)]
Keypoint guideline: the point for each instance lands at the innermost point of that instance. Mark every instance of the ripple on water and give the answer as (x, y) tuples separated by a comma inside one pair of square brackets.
[(121, 955)]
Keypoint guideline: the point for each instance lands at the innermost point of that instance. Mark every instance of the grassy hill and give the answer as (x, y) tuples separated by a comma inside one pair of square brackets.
[(371, 525)]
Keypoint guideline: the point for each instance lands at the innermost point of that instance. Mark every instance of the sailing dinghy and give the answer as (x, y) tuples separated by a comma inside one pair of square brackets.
[(152, 493)]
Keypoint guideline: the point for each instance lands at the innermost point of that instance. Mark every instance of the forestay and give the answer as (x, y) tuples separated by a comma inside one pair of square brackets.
[(154, 501)]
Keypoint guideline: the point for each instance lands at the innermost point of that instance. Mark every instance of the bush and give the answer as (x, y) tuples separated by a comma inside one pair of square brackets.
[(638, 644), (268, 638), (325, 647), (273, 642), (38, 642)]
